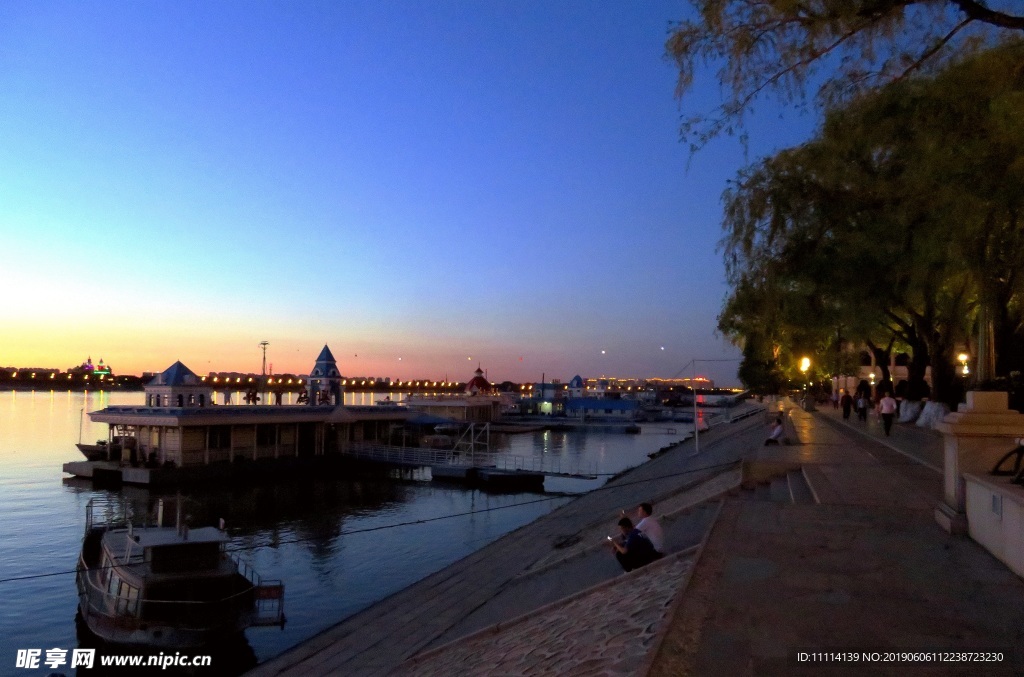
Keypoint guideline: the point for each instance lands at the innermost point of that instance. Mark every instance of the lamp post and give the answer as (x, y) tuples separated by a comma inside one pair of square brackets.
[(805, 364), (962, 359)]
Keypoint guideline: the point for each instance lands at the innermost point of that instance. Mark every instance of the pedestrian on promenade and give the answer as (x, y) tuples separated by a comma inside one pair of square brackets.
[(846, 402), (650, 527), (887, 410), (862, 407), (632, 549), (835, 399)]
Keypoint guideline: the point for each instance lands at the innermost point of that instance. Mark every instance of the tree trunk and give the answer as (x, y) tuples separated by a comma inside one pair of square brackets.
[(917, 386), (943, 373), (882, 358)]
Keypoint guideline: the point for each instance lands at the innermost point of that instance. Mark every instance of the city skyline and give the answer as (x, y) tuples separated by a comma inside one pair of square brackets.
[(423, 188)]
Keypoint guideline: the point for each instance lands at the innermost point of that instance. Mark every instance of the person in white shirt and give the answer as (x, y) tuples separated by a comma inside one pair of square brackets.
[(887, 410), (650, 527), (775, 436)]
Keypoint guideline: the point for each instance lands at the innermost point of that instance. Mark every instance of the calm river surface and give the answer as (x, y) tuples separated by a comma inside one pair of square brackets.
[(300, 531)]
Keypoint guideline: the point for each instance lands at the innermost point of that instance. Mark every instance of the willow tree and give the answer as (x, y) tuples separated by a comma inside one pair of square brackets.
[(899, 220), (839, 48)]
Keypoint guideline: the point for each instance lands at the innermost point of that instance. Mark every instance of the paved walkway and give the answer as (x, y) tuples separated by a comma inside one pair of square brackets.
[(867, 569), (921, 444)]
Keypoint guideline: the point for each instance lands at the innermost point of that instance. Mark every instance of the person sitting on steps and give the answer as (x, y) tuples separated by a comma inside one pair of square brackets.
[(775, 436), (632, 549), (649, 526)]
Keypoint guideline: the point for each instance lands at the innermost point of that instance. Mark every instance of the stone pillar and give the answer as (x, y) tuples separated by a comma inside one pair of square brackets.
[(975, 437)]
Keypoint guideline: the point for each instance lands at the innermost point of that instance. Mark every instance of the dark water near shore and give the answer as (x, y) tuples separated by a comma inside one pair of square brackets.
[(334, 541)]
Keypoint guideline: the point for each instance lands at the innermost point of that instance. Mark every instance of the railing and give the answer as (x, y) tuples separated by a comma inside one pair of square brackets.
[(545, 465), (415, 456)]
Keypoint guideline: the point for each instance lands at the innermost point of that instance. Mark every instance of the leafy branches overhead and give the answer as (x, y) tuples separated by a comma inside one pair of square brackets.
[(838, 47), (898, 222)]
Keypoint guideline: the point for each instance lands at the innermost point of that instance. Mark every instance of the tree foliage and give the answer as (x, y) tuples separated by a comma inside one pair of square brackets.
[(898, 225), (841, 48)]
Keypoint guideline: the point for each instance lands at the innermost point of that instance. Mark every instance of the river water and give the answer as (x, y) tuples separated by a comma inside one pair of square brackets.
[(339, 544)]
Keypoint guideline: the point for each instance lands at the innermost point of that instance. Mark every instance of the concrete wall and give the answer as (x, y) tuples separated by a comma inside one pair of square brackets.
[(995, 518), (193, 446)]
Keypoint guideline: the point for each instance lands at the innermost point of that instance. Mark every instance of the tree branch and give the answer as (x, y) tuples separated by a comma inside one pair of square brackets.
[(979, 12), (930, 52)]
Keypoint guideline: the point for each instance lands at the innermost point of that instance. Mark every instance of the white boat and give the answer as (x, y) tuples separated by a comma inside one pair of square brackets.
[(166, 587)]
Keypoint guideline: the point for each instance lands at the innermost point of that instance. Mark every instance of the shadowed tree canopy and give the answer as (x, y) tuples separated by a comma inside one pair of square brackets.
[(839, 48), (898, 224)]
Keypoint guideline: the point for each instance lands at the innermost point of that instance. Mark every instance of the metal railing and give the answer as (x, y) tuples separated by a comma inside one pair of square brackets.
[(420, 457)]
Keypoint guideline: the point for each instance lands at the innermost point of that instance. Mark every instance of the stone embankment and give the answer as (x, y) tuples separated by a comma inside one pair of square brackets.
[(542, 574)]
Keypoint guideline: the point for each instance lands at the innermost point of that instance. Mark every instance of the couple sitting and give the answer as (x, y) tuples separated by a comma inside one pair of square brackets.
[(640, 545)]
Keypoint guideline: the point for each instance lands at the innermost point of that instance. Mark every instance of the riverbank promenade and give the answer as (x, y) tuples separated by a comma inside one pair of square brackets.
[(865, 568), (830, 546)]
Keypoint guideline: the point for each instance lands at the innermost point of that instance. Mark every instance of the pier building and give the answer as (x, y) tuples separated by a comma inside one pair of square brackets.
[(480, 403), (179, 426)]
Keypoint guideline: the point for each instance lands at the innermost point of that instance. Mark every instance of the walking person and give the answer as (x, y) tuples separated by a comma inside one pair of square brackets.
[(887, 410), (862, 407), (846, 402)]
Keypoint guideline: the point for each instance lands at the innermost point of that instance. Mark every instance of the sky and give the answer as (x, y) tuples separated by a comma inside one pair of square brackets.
[(422, 186)]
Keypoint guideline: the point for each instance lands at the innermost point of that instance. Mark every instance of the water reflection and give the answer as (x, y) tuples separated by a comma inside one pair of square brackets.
[(340, 542)]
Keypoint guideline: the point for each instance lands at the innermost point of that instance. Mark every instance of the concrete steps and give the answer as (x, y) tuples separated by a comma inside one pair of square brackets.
[(790, 488), (799, 490)]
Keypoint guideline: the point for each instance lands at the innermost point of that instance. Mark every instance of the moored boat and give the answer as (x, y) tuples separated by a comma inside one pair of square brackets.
[(168, 587), (94, 452)]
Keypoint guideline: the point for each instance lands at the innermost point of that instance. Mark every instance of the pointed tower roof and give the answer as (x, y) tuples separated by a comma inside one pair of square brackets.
[(176, 375), (478, 383), (325, 355), (325, 366)]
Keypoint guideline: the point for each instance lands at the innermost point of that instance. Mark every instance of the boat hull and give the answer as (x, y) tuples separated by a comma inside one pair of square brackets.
[(93, 452), (121, 628)]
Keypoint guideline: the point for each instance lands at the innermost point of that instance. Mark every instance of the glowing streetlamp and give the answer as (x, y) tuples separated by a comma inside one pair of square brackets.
[(962, 358)]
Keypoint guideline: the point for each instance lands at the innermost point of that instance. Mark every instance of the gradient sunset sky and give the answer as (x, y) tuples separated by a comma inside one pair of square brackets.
[(423, 186)]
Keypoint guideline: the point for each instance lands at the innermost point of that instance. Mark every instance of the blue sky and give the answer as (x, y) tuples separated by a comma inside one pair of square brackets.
[(446, 183)]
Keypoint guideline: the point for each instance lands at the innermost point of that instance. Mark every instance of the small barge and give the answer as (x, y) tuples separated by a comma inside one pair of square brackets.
[(166, 587)]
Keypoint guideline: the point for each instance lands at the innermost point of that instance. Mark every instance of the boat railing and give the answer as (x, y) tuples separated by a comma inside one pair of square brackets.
[(245, 607), (268, 594), (104, 513)]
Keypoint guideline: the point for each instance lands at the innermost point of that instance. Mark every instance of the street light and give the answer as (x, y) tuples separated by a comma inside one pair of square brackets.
[(962, 358)]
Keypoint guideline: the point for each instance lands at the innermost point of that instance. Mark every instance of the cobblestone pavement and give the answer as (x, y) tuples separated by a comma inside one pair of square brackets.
[(609, 629)]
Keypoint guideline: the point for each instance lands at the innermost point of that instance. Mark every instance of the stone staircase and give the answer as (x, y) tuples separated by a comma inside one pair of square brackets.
[(791, 487)]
